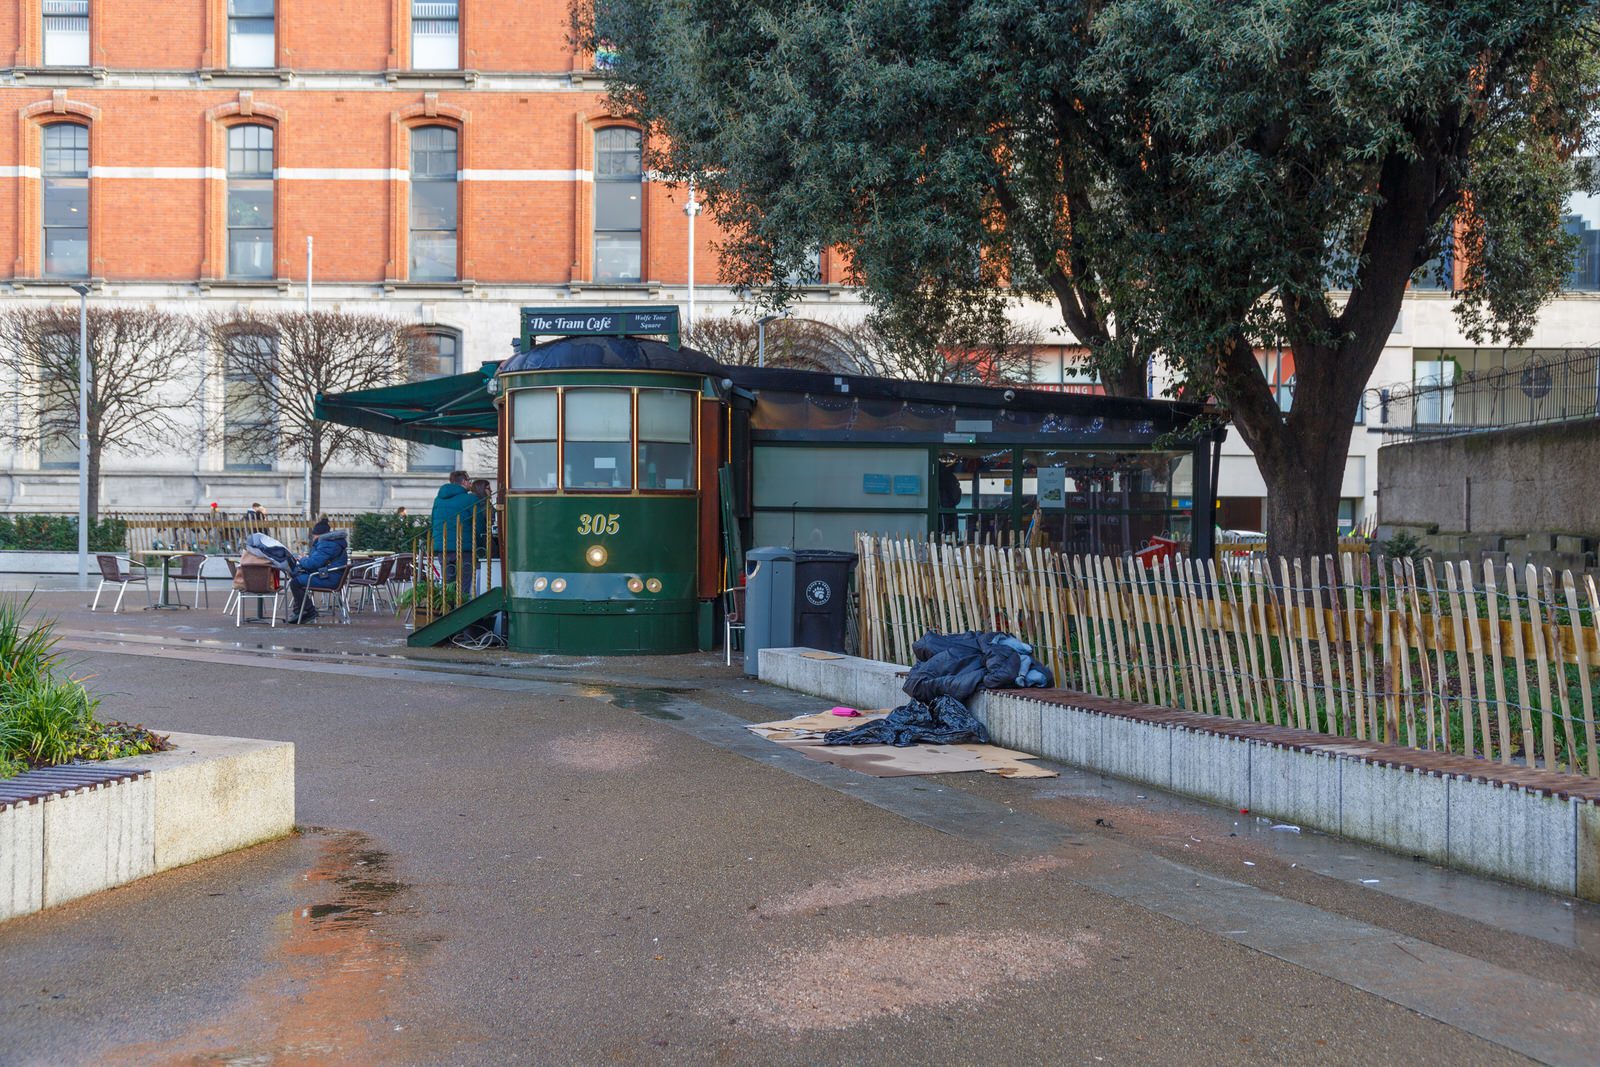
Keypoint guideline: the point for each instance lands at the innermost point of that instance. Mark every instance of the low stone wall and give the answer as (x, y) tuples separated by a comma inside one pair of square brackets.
[(207, 796), (1533, 827), (16, 562)]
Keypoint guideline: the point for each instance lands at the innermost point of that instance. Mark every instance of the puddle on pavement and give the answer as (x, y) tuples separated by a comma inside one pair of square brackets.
[(336, 968), (651, 703)]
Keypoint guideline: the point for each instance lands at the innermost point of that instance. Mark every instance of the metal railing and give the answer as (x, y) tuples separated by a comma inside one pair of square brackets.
[(1531, 393)]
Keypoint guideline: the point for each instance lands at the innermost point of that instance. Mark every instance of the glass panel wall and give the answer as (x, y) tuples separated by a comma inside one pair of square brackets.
[(598, 438), (666, 439), (533, 439)]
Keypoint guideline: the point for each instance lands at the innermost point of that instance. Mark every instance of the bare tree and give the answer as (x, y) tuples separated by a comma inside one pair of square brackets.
[(275, 365), (989, 351), (141, 376)]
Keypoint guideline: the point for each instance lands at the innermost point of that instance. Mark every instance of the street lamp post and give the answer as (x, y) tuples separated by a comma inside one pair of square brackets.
[(761, 335), (307, 471), (83, 435), (691, 209)]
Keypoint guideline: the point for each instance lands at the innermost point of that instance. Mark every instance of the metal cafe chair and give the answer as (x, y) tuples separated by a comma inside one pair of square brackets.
[(732, 619), (372, 579), (189, 570), (260, 583), (112, 572), (402, 576), (336, 599)]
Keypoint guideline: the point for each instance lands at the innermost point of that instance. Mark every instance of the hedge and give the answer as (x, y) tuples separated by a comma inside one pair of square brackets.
[(59, 533), (386, 532)]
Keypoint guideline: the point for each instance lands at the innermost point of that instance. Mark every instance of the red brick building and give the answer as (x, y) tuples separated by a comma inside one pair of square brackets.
[(452, 161)]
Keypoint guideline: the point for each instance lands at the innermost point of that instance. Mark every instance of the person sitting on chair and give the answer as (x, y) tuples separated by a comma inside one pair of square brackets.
[(321, 568)]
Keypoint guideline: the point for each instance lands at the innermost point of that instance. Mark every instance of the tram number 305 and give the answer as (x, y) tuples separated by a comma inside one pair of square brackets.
[(598, 524)]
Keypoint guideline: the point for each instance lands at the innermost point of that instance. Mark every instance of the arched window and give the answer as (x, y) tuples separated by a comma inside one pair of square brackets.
[(433, 204), (65, 174), (249, 425), (441, 358), (58, 401), (250, 211), (618, 205)]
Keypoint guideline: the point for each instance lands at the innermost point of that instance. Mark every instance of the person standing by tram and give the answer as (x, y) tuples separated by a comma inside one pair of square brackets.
[(460, 517)]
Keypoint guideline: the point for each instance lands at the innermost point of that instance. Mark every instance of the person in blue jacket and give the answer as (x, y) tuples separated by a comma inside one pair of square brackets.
[(320, 568), (460, 520)]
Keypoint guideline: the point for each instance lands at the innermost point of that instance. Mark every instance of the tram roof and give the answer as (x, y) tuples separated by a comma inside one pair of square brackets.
[(445, 411)]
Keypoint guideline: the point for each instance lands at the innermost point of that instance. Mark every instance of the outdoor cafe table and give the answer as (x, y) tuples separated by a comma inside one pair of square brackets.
[(166, 556)]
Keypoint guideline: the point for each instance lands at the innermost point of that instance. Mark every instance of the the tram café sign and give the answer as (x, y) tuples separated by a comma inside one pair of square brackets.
[(588, 322)]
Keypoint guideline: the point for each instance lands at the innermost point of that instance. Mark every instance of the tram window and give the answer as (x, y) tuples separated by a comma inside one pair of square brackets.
[(533, 439), (666, 439), (599, 439)]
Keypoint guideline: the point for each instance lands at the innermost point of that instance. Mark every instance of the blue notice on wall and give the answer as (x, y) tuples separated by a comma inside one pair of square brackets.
[(877, 484), (908, 485)]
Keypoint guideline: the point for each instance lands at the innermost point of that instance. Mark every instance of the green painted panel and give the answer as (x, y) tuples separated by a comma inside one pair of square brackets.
[(595, 612)]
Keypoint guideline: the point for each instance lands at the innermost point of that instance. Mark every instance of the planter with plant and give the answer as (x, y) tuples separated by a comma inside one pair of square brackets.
[(425, 601), (47, 717)]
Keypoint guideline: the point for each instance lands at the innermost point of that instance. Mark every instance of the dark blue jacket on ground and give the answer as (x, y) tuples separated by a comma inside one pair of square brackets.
[(324, 565)]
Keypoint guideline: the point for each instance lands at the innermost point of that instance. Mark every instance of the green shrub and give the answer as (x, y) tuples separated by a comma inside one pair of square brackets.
[(1404, 546), (47, 718), (59, 533), (393, 533)]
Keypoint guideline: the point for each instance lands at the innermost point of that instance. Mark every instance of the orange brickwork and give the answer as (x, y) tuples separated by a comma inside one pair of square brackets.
[(159, 111)]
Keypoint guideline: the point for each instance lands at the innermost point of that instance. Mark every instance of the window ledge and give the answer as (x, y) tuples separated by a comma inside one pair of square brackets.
[(615, 288), (60, 75), (259, 285), (465, 285), (433, 79), (58, 286), (246, 77)]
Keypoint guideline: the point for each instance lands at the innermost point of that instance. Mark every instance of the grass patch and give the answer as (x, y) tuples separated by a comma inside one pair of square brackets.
[(47, 716)]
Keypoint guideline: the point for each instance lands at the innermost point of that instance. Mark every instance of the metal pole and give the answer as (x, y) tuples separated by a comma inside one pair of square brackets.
[(761, 342), (83, 435), (307, 488), (692, 208)]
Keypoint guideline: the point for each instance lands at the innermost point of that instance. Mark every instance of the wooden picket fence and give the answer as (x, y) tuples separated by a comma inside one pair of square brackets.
[(205, 532), (1419, 654)]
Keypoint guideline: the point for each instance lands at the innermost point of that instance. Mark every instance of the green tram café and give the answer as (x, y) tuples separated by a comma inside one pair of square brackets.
[(632, 471)]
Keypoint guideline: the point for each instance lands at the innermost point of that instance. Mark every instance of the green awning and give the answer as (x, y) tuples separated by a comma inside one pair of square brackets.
[(440, 411)]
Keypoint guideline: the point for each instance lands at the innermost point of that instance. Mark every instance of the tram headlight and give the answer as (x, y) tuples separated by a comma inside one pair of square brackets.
[(539, 584), (596, 555), (635, 585), (558, 586), (654, 585)]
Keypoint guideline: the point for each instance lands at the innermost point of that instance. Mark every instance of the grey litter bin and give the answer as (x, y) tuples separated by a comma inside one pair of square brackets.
[(769, 608), (821, 597)]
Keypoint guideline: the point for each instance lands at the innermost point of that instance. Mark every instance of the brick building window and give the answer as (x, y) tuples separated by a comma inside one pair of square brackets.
[(434, 203), (65, 176), (66, 33), (247, 416), (435, 35), (252, 40), (618, 205), (250, 214), (442, 358)]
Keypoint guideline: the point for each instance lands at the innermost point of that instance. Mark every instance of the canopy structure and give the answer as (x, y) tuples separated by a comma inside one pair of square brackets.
[(440, 411)]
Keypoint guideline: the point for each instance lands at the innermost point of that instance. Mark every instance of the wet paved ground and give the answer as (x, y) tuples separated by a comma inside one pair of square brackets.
[(521, 859)]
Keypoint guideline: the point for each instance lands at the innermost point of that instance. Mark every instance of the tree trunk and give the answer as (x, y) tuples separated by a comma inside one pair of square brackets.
[(1130, 379), (1301, 455), (1303, 494), (316, 489), (94, 483)]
